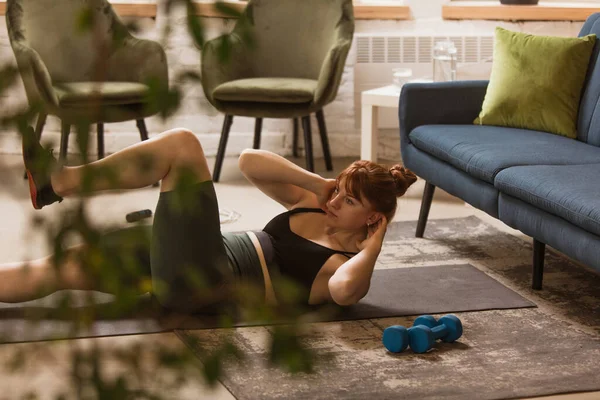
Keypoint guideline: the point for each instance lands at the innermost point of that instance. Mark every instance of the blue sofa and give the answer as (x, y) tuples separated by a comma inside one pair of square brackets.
[(546, 186)]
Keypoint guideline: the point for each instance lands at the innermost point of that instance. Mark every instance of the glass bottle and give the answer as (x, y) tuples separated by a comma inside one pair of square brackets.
[(444, 61)]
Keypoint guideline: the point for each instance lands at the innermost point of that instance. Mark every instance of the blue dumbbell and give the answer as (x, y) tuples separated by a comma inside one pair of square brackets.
[(395, 338), (427, 330), (427, 320)]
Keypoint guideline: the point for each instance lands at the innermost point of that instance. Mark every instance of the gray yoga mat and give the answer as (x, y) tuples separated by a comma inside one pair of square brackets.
[(393, 292)]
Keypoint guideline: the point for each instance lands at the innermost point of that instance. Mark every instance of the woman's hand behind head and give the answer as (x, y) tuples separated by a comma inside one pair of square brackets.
[(375, 235), (325, 192)]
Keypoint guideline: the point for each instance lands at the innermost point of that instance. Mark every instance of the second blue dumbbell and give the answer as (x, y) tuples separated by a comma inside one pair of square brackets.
[(427, 330)]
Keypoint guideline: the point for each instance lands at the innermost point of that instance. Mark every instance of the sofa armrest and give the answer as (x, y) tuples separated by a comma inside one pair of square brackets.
[(35, 75), (216, 72), (457, 102), (138, 60)]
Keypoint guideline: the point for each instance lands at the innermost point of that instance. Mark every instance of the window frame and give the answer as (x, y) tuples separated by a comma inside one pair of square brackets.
[(543, 11)]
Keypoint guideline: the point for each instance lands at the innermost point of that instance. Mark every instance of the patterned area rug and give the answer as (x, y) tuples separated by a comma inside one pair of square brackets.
[(503, 353)]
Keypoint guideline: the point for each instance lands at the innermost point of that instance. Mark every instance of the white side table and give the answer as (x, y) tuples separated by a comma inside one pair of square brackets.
[(371, 100)]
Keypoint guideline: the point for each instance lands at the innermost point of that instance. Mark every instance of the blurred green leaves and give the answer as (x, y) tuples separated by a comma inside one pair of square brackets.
[(115, 267), (227, 9), (195, 27), (213, 363), (84, 20), (8, 76), (164, 99), (287, 350)]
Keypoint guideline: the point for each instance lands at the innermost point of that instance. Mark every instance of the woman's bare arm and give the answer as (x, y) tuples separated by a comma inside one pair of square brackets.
[(352, 280), (281, 179)]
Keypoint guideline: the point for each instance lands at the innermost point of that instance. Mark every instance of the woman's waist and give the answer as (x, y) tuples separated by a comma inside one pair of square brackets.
[(252, 255), (273, 272), (266, 244), (264, 240)]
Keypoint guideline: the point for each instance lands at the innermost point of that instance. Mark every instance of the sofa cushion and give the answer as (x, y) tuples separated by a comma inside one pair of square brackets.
[(571, 192), (483, 151), (525, 90), (474, 191)]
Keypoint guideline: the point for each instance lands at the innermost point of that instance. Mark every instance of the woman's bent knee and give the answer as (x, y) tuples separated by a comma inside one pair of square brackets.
[(186, 154), (186, 140), (184, 147)]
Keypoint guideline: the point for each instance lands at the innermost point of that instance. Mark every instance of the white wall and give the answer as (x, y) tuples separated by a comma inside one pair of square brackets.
[(198, 115)]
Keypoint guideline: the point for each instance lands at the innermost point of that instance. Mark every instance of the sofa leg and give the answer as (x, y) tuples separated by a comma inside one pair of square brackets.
[(538, 264), (425, 206)]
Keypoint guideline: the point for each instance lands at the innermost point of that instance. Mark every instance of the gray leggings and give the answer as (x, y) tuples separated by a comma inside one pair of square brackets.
[(192, 265)]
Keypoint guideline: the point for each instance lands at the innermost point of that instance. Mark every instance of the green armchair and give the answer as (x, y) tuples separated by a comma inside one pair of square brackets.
[(294, 69), (97, 76)]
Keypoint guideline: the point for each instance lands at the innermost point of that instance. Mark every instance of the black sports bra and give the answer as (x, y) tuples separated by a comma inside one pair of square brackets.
[(298, 258)]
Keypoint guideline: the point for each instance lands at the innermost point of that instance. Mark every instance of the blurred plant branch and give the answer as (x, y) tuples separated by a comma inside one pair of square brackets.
[(88, 379)]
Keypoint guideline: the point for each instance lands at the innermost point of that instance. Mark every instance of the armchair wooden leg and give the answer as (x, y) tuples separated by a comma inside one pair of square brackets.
[(222, 144), (65, 129), (257, 131), (324, 140), (310, 165), (538, 264), (100, 139), (39, 127), (141, 125), (295, 138), (425, 206)]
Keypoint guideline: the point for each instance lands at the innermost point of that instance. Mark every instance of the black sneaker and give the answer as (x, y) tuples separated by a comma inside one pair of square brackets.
[(39, 163)]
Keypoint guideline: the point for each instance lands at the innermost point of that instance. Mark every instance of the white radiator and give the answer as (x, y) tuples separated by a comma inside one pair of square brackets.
[(378, 53)]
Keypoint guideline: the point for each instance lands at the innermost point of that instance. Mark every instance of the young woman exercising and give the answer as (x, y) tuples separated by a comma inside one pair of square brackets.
[(326, 242)]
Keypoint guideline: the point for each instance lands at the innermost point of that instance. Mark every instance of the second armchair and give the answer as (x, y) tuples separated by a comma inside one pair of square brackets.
[(293, 70)]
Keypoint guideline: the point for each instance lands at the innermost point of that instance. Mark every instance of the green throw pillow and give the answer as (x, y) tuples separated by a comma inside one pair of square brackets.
[(536, 82)]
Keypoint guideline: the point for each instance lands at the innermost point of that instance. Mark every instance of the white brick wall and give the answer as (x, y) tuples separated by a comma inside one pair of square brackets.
[(198, 115)]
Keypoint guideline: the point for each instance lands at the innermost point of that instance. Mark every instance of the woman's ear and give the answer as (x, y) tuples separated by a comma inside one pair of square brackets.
[(374, 218)]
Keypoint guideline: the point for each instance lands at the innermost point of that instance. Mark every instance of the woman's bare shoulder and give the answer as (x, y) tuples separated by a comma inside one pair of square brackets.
[(308, 201)]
